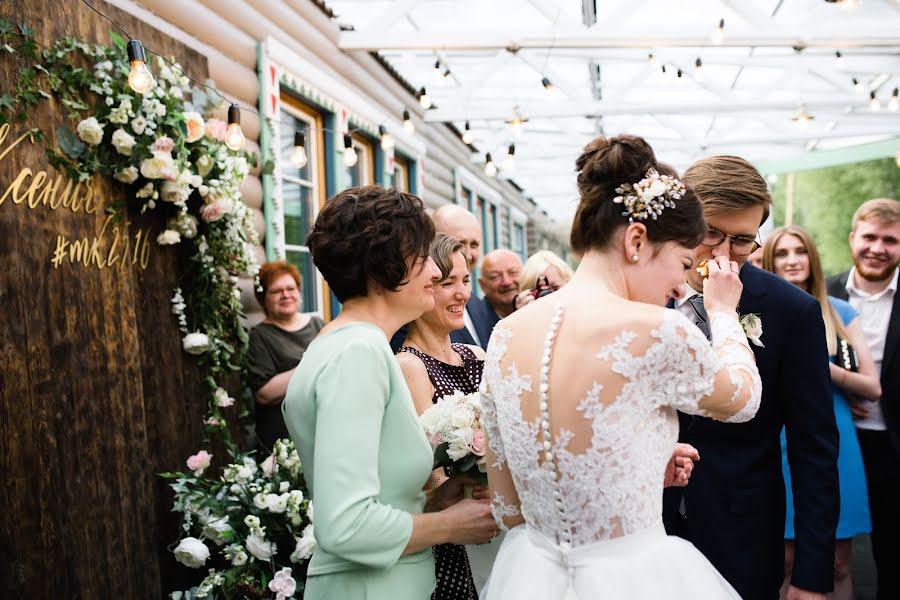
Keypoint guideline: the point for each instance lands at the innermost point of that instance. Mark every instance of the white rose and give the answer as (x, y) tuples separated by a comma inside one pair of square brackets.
[(196, 127), (261, 501), (127, 175), (223, 400), (460, 443), (123, 142), (174, 193), (168, 238), (90, 131), (244, 474), (305, 545), (278, 503), (296, 496), (191, 552), (259, 547), (284, 486), (217, 530), (196, 343), (159, 167), (139, 124), (252, 522), (240, 558)]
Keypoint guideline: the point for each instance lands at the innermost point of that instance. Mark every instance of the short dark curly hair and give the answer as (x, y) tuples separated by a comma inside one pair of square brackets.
[(369, 234)]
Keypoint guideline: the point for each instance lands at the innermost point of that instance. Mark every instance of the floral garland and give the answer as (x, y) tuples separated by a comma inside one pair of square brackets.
[(177, 162)]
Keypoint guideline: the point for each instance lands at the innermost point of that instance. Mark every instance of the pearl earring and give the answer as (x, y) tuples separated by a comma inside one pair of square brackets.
[(634, 258)]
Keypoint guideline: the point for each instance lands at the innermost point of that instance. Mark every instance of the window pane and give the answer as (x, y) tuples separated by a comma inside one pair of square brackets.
[(297, 206), (303, 261), (288, 126)]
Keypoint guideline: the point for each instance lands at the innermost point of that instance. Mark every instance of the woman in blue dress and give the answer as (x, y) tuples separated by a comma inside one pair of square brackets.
[(791, 253)]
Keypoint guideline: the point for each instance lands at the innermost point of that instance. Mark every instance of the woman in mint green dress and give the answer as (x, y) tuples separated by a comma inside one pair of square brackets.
[(349, 411)]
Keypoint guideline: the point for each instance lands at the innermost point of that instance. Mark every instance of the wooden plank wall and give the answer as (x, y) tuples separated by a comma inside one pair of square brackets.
[(96, 395)]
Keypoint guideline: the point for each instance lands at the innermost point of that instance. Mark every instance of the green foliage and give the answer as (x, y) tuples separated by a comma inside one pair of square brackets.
[(825, 200)]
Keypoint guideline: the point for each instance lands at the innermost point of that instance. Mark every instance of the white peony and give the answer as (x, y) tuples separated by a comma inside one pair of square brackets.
[(305, 545), (128, 175), (168, 238), (259, 547), (196, 127), (460, 443), (90, 131), (195, 343), (123, 142), (278, 503), (191, 552), (161, 166), (261, 501)]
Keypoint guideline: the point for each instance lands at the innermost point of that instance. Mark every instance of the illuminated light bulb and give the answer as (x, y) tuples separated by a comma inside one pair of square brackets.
[(874, 103), (490, 169), (857, 85), (698, 69), (424, 100), (517, 121), (839, 59), (437, 74), (234, 135), (467, 136), (894, 102), (553, 92), (298, 156), (140, 79), (718, 36), (651, 58), (509, 163), (387, 140), (408, 126), (350, 157), (803, 118), (849, 6)]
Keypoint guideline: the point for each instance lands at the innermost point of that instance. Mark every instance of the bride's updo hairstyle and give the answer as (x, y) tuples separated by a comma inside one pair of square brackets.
[(607, 163)]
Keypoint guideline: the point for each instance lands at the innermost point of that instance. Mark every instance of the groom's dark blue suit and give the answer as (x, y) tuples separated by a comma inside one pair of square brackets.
[(734, 505)]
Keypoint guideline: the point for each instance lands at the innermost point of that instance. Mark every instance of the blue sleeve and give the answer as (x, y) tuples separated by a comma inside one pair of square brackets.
[(844, 310)]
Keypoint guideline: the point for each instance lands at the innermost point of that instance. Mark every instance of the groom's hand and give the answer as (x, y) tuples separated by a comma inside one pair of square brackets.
[(798, 594), (678, 471)]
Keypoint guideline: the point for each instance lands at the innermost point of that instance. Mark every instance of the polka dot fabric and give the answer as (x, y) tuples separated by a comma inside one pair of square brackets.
[(454, 577)]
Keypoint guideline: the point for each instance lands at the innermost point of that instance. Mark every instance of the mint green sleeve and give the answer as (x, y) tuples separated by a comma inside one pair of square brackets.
[(351, 394)]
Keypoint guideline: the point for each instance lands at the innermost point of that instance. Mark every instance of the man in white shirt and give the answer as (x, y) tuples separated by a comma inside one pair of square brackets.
[(871, 288)]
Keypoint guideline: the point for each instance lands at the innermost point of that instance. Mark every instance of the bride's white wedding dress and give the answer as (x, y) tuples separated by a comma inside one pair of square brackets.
[(579, 451)]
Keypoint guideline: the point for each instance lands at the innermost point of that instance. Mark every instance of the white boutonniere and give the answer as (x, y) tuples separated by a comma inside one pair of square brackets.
[(753, 329)]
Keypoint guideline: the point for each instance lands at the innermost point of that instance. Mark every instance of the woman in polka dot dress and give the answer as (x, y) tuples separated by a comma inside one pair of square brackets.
[(434, 367)]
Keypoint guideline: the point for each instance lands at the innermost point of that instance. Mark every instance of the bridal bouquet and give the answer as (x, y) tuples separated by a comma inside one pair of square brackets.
[(249, 528), (453, 427)]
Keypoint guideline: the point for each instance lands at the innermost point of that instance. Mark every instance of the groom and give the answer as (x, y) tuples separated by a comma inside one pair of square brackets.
[(734, 508)]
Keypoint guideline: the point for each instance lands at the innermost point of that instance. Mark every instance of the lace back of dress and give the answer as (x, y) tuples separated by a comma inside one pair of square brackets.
[(564, 531)]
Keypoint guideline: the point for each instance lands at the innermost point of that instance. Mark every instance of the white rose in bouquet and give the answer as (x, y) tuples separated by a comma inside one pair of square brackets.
[(278, 503), (305, 545), (90, 131), (123, 142), (127, 175), (196, 127), (174, 193), (191, 552), (195, 343), (261, 501), (460, 443), (259, 547), (161, 166), (223, 400)]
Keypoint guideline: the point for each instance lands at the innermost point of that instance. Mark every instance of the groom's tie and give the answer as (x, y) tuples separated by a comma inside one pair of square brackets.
[(700, 317)]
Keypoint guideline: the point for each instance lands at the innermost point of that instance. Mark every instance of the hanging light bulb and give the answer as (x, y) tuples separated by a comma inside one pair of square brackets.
[(387, 140), (718, 36), (651, 58), (839, 59), (490, 169), (679, 74), (874, 103), (298, 156), (140, 78), (467, 134), (424, 100), (516, 121), (857, 86), (350, 157), (546, 83), (848, 5), (803, 118), (894, 102), (509, 162), (664, 72), (698, 69), (234, 135), (553, 92), (437, 73), (408, 126)]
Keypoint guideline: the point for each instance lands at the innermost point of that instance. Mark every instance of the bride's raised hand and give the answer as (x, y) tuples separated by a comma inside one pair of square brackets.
[(722, 288)]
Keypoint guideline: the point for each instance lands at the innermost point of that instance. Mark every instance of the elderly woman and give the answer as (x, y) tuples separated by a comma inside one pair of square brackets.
[(277, 345), (349, 411), (435, 367), (544, 272)]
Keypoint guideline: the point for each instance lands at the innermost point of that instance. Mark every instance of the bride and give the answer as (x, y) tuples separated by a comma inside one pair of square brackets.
[(580, 433)]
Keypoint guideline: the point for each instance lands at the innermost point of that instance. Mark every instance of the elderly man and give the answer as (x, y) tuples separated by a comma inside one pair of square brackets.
[(499, 278)]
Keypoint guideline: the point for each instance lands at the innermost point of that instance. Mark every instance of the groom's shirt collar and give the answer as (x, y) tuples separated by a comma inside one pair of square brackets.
[(689, 293)]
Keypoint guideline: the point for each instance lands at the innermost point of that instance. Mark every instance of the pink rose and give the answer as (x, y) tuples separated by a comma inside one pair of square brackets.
[(269, 466), (479, 443), (198, 462), (163, 144), (434, 440), (212, 212), (216, 128)]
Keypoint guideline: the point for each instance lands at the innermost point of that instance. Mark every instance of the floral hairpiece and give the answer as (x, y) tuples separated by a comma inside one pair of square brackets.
[(648, 197)]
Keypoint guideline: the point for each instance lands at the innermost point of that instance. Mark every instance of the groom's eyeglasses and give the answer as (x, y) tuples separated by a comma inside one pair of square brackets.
[(740, 245)]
